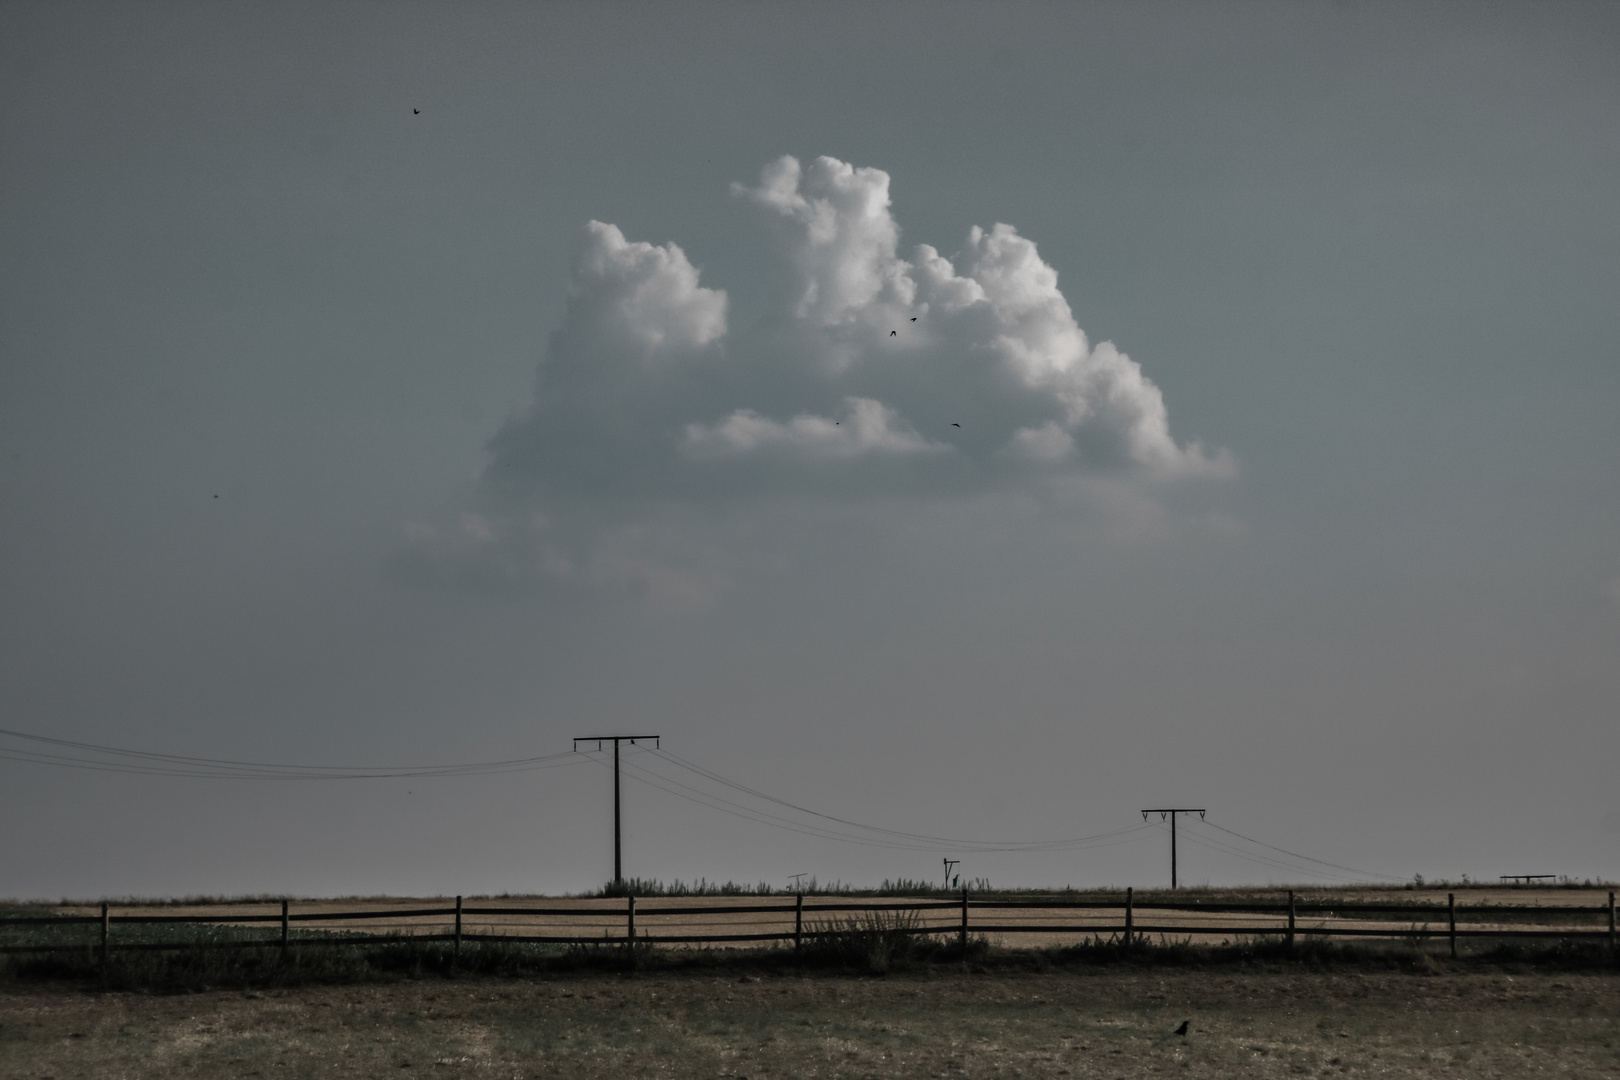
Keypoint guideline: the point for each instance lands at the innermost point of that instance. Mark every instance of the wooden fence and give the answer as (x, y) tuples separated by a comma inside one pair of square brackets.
[(709, 921)]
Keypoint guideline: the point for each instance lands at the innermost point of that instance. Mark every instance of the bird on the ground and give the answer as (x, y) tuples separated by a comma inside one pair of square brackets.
[(1182, 1030)]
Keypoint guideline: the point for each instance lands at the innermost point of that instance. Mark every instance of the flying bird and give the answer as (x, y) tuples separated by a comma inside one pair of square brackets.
[(956, 425), (1182, 1030), (416, 112), (894, 333), (914, 318)]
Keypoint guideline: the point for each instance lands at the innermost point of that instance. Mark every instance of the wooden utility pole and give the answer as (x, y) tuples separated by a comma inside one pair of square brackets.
[(1172, 812), (948, 864), (618, 873)]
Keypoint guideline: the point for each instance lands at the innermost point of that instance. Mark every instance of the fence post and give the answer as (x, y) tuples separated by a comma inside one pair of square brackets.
[(1611, 919), (1451, 915), (1290, 920), (1128, 920), (285, 925), (456, 954), (798, 923), (106, 928), (964, 923), (630, 913)]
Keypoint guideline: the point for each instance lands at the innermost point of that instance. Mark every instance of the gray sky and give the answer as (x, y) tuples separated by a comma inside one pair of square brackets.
[(1286, 483)]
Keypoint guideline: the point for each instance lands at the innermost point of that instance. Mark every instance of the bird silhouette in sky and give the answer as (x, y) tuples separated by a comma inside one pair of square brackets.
[(416, 112), (1182, 1030), (894, 333), (956, 425), (914, 318)]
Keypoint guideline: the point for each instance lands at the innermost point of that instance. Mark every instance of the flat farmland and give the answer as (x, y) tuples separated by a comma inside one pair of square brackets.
[(672, 918), (1102, 1023)]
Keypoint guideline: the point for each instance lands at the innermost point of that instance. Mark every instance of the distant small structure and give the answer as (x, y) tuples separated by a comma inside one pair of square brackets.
[(1528, 878)]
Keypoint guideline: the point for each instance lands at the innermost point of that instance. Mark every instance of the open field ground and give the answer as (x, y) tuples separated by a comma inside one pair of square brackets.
[(941, 1023)]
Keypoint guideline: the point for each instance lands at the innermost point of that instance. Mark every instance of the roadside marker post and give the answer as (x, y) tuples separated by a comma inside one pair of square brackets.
[(1451, 915)]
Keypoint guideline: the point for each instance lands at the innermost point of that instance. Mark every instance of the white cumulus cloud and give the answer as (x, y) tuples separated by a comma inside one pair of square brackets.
[(868, 427), (926, 375), (648, 296)]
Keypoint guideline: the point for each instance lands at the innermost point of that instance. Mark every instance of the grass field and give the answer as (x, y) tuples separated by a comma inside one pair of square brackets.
[(1100, 1023)]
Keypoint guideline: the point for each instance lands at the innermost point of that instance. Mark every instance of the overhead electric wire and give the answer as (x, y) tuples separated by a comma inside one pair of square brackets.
[(806, 830), (1273, 862), (101, 758), (955, 842), (776, 820), (1295, 854), (119, 759), (726, 806), (1265, 860)]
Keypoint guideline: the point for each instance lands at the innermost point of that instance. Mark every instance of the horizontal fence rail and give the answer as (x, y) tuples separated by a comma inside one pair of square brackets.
[(800, 919)]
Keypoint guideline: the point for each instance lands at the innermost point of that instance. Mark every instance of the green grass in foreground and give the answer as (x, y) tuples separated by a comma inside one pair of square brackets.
[(1112, 1022)]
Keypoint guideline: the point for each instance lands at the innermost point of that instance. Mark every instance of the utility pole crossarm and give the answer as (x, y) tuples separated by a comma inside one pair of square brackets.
[(1171, 812)]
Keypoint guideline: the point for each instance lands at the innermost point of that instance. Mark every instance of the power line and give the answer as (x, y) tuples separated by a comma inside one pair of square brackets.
[(1307, 858), (954, 842), (102, 758), (1266, 860), (1260, 858), (119, 759), (701, 798)]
